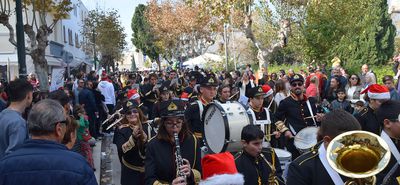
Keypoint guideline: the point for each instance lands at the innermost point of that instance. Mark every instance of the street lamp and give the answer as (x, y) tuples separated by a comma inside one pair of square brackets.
[(20, 40)]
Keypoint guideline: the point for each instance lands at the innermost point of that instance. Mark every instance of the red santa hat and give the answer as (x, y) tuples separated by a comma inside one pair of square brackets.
[(133, 94), (220, 169), (185, 96), (377, 92), (267, 90)]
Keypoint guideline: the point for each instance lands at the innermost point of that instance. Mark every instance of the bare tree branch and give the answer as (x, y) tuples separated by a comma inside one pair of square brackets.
[(5, 21)]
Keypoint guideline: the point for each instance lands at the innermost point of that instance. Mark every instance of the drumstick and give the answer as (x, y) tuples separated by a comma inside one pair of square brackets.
[(310, 117), (234, 95)]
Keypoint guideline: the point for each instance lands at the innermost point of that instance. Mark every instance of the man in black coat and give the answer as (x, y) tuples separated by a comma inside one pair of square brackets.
[(312, 168)]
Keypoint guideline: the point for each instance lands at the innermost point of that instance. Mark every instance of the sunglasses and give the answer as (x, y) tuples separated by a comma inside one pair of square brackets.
[(354, 78), (133, 111), (294, 84)]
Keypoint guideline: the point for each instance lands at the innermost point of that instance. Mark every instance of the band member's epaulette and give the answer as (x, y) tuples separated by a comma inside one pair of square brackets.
[(310, 154), (307, 156), (123, 126), (364, 111)]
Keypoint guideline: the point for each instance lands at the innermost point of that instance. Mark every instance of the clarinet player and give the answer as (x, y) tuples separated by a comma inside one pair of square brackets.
[(162, 163)]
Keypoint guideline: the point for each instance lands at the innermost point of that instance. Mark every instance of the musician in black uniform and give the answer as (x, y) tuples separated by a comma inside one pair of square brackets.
[(297, 112), (148, 93), (269, 101), (164, 95), (224, 93), (193, 114), (260, 113), (161, 166), (308, 169), (255, 163), (375, 95), (192, 94), (389, 115), (131, 139)]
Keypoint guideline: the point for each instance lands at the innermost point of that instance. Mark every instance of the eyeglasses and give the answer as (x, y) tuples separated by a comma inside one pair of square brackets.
[(171, 123), (61, 122), (354, 78), (294, 84)]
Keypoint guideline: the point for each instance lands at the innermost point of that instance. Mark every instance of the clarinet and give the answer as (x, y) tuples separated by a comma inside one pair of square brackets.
[(178, 157)]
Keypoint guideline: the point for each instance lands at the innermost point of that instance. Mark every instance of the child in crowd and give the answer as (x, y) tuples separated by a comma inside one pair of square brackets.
[(340, 102), (84, 139), (358, 107)]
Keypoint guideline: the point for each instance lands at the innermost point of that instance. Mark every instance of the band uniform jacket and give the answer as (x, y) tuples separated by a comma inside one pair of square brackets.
[(255, 170), (192, 115), (393, 178), (296, 113), (262, 115), (131, 155), (308, 169), (148, 97), (369, 121), (160, 161)]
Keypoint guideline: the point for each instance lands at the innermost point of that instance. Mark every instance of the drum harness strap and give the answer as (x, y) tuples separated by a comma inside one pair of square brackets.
[(268, 136), (312, 116)]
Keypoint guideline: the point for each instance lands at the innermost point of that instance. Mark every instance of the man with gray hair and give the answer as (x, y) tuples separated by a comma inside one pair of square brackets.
[(43, 159)]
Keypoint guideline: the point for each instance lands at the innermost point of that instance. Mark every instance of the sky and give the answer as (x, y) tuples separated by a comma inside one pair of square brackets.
[(126, 8)]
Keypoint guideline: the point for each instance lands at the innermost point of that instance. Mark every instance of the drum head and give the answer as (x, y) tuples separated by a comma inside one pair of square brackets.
[(215, 129), (306, 138)]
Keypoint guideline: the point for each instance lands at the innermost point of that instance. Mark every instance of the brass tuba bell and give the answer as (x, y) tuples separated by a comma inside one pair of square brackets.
[(359, 155)]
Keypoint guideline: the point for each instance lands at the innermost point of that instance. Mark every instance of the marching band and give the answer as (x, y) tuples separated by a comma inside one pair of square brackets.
[(203, 116)]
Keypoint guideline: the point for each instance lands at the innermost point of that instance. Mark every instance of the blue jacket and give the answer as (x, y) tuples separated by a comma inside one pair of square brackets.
[(43, 162)]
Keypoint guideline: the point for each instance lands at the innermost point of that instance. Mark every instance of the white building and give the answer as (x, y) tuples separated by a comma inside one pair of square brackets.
[(126, 62), (64, 43), (394, 11)]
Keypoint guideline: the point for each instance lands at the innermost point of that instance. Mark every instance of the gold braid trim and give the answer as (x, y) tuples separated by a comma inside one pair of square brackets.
[(281, 127), (160, 183), (133, 167), (128, 145), (196, 176)]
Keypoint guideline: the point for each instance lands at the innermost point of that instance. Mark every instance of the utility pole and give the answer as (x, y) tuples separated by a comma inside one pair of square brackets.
[(20, 40)]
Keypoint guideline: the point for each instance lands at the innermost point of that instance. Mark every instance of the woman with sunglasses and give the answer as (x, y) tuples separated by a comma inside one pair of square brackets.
[(353, 90), (161, 165), (131, 140)]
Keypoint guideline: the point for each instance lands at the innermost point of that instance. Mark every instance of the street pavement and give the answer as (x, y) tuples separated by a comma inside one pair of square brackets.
[(105, 156)]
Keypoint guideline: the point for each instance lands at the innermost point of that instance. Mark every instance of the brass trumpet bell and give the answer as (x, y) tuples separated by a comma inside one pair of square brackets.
[(358, 155)]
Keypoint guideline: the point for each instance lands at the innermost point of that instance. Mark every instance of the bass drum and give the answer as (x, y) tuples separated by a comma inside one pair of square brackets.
[(223, 124)]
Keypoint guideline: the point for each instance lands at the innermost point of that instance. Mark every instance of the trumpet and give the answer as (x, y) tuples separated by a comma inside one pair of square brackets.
[(118, 112), (348, 152), (115, 122)]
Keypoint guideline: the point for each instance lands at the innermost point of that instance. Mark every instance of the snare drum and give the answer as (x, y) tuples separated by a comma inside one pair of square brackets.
[(284, 157), (223, 124), (305, 139)]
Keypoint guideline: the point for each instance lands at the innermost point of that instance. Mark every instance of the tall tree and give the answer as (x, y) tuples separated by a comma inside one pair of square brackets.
[(143, 37), (109, 36), (179, 29), (241, 13), (359, 31), (37, 28)]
